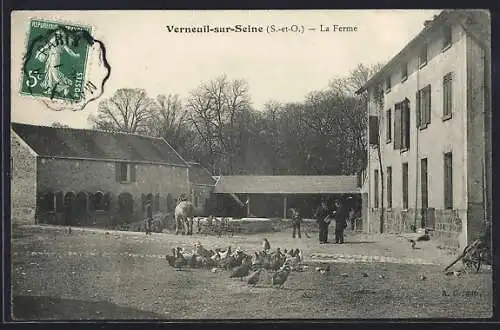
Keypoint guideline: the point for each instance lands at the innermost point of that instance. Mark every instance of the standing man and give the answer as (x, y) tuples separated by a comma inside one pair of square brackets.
[(322, 218), (149, 217), (296, 221), (341, 215)]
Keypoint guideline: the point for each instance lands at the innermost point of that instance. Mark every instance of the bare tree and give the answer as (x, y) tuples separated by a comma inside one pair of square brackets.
[(128, 110), (216, 111)]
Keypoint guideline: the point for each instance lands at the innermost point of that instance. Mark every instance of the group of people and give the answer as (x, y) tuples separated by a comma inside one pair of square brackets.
[(324, 215)]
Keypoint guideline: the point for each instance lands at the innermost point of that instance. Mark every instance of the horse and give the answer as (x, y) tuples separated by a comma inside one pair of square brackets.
[(184, 212)]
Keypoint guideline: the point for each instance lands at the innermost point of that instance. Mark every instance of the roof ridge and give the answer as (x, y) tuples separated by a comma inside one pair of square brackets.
[(91, 130)]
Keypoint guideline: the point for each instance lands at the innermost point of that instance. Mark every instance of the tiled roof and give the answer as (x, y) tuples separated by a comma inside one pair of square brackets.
[(477, 22), (286, 184), (100, 145)]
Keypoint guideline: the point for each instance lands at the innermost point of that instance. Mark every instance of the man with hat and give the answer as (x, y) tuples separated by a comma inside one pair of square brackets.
[(322, 216), (341, 215)]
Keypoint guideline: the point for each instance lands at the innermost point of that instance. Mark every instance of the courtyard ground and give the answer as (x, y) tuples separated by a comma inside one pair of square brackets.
[(88, 274)]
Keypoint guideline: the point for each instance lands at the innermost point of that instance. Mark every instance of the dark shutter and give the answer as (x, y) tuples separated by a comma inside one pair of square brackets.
[(389, 187), (143, 202), (388, 126), (417, 108), (132, 172), (117, 172), (448, 181), (405, 185), (406, 122), (428, 92), (397, 126), (374, 140)]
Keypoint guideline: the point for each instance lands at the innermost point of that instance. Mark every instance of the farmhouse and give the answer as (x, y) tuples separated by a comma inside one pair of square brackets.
[(87, 177), (430, 117)]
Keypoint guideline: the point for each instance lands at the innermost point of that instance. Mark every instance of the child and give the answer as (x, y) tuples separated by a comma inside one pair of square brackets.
[(296, 222)]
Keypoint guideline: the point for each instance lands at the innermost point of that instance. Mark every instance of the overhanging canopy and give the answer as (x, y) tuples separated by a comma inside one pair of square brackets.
[(287, 184)]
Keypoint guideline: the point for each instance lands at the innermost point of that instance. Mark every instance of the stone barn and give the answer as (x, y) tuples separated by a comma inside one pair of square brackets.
[(72, 176)]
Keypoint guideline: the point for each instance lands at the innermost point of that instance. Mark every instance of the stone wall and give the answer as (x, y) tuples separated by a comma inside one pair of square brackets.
[(448, 226), (89, 176), (23, 182)]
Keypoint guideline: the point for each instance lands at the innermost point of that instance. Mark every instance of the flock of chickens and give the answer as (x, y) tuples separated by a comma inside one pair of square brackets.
[(279, 263)]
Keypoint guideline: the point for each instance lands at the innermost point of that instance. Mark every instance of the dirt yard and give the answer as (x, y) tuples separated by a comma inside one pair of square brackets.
[(87, 274)]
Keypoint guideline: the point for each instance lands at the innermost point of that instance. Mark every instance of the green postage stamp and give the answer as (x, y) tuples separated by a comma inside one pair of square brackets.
[(64, 65)]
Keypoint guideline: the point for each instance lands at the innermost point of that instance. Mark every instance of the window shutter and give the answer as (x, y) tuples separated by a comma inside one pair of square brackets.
[(132, 172), (406, 123), (417, 108), (373, 130), (428, 89), (117, 171), (397, 126), (143, 202)]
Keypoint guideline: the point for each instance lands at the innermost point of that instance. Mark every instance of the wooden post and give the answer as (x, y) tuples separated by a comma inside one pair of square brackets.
[(248, 205), (284, 206)]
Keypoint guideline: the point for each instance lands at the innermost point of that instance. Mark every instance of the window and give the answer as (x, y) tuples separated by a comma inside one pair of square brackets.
[(423, 183), (448, 181), (388, 84), (446, 37), (422, 59), (389, 187), (125, 172), (447, 96), (402, 125), (376, 189), (405, 186), (424, 107), (404, 71), (388, 126)]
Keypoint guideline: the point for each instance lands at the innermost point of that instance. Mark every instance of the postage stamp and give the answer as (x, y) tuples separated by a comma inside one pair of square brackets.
[(64, 66)]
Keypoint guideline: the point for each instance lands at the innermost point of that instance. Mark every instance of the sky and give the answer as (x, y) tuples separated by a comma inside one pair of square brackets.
[(281, 66)]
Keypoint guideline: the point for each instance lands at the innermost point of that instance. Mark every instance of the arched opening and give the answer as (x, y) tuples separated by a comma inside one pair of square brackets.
[(170, 203), (98, 201), (125, 206), (156, 204), (81, 207), (69, 208), (147, 199), (59, 202)]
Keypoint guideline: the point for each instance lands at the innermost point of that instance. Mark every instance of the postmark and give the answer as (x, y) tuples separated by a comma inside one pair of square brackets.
[(64, 66)]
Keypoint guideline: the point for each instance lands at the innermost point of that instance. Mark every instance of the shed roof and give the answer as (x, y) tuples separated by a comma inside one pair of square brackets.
[(97, 145), (288, 184)]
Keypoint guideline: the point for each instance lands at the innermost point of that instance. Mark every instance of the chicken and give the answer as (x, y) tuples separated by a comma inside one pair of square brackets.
[(253, 279), (279, 278), (171, 259), (265, 245), (227, 253), (242, 270), (177, 260)]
